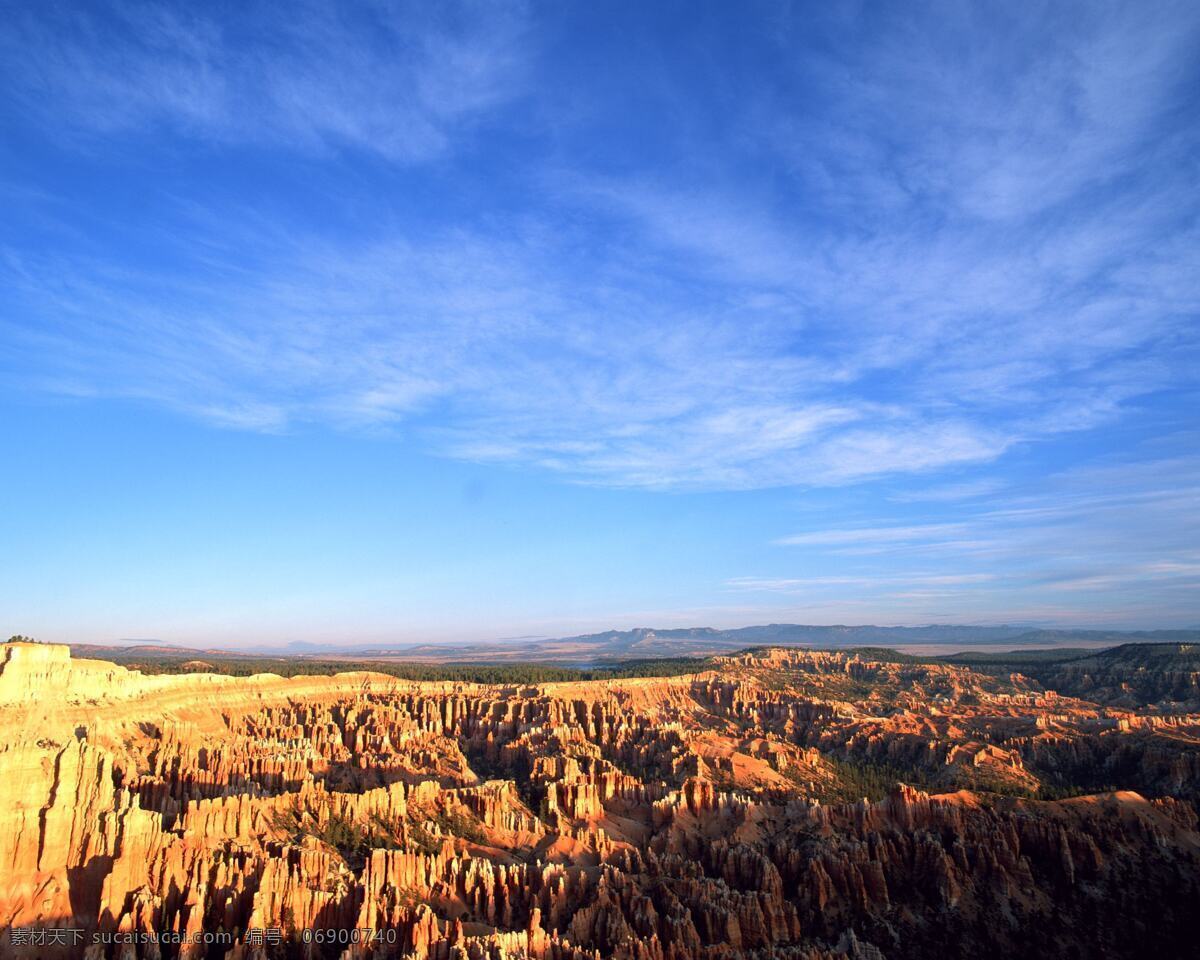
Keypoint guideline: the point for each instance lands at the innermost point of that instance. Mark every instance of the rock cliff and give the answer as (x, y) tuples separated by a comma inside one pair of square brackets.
[(789, 804)]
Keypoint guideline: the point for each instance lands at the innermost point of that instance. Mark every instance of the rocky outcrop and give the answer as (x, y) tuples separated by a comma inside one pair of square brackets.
[(713, 816)]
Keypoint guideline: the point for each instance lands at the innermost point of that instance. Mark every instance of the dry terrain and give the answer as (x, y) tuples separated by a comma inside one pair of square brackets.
[(779, 803)]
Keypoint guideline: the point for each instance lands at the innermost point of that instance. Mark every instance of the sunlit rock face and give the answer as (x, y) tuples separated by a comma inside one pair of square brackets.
[(718, 815)]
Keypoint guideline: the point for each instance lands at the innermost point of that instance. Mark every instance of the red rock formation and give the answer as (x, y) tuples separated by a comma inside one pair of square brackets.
[(710, 817)]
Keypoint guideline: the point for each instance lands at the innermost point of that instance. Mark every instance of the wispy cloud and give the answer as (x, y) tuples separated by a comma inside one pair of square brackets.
[(388, 78), (803, 585), (874, 535), (1121, 537), (954, 257), (968, 490)]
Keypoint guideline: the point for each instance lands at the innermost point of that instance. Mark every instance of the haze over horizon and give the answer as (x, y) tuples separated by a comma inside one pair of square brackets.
[(640, 643), (403, 324)]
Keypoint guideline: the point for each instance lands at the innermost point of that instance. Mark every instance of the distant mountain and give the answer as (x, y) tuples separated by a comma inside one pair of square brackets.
[(791, 633), (652, 643), (647, 642), (123, 650)]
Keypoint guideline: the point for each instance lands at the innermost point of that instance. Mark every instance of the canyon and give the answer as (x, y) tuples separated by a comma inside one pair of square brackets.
[(774, 803)]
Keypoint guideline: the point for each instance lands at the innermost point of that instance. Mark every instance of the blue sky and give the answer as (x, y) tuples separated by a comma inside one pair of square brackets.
[(386, 322)]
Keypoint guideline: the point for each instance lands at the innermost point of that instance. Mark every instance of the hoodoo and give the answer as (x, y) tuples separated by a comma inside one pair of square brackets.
[(784, 804)]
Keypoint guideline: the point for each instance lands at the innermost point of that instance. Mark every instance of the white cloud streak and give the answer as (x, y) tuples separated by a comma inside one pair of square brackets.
[(392, 79), (1000, 269), (1118, 543)]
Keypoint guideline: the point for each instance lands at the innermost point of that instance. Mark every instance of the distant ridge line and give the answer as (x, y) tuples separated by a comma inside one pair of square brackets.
[(656, 643)]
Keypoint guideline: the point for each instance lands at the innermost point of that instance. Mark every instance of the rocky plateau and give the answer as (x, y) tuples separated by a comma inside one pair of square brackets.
[(776, 804)]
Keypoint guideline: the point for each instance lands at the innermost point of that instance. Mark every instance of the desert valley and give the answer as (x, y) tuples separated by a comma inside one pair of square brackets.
[(770, 803)]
